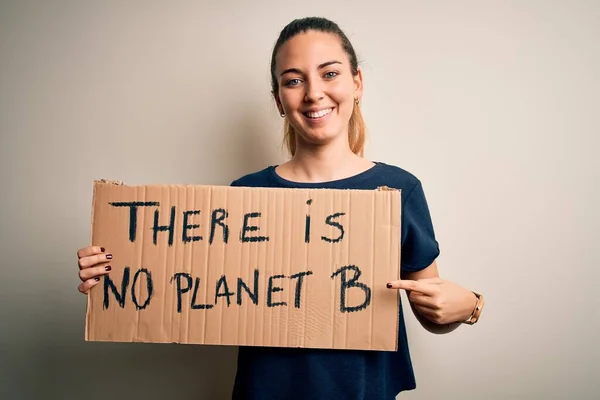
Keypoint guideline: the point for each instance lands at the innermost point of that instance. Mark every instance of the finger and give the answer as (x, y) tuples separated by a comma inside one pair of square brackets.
[(422, 300), (93, 272), (84, 287), (90, 261), (414, 286), (90, 251), (427, 313), (435, 281)]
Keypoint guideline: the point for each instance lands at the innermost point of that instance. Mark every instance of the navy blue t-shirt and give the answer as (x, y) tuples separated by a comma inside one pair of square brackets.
[(298, 373)]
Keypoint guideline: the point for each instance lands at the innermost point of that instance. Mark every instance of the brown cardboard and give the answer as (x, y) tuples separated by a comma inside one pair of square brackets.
[(186, 273)]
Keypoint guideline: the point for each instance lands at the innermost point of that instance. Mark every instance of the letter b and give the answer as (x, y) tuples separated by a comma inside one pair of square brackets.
[(352, 283)]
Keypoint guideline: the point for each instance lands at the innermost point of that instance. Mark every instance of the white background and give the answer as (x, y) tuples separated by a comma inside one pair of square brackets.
[(492, 104)]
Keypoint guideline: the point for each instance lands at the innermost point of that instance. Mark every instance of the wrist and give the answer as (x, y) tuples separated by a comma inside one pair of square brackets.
[(476, 309)]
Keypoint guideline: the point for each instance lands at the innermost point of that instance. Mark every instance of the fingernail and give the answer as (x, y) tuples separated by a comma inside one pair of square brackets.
[(102, 249), (96, 279), (389, 285), (108, 268), (109, 256)]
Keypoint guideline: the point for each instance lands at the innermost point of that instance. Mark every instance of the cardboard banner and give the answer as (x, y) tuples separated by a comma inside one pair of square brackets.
[(246, 266)]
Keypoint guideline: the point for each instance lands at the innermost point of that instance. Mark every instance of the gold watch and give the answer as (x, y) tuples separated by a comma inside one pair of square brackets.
[(477, 311)]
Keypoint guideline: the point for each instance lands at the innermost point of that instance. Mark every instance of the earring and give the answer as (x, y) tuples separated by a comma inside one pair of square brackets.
[(282, 114), (356, 101)]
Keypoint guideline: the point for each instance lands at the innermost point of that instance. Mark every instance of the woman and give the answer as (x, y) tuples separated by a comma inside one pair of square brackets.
[(317, 87)]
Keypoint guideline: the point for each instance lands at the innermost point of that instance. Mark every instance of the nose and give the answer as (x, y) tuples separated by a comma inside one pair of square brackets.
[(314, 91)]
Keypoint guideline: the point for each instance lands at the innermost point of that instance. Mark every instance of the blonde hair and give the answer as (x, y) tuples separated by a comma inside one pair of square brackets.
[(357, 132)]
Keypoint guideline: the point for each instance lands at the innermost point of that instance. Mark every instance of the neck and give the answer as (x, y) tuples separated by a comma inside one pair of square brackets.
[(324, 163)]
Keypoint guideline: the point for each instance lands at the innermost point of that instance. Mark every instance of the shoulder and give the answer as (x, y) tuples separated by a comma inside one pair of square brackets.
[(398, 178), (397, 171), (258, 178)]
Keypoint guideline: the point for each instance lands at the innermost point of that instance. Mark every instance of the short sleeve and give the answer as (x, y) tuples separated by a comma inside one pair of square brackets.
[(419, 245)]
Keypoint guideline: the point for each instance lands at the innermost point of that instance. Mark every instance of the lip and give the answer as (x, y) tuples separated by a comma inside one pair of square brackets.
[(317, 109)]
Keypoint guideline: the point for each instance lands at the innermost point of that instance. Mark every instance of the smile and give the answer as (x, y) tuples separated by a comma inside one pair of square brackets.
[(318, 114)]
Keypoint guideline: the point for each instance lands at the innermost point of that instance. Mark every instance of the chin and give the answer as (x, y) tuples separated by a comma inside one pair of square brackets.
[(320, 137)]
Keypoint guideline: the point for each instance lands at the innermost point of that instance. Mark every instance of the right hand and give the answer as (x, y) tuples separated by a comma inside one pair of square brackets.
[(92, 264)]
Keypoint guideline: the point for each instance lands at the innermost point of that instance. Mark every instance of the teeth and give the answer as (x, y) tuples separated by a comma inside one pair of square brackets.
[(319, 114)]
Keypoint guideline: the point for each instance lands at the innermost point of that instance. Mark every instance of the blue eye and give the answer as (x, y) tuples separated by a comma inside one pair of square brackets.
[(292, 82), (331, 74)]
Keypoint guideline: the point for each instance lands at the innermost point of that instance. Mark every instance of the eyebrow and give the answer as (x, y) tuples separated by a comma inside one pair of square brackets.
[(296, 70)]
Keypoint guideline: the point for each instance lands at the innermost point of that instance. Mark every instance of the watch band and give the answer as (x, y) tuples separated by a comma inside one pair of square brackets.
[(477, 311)]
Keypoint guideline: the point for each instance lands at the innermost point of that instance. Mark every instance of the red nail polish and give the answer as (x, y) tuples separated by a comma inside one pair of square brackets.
[(102, 249), (108, 268), (389, 285), (109, 256), (96, 279)]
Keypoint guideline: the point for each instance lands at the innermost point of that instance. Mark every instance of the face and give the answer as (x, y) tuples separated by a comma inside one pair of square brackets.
[(317, 90)]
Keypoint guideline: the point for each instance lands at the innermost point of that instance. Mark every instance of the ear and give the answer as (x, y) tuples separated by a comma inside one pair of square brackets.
[(278, 102), (358, 84)]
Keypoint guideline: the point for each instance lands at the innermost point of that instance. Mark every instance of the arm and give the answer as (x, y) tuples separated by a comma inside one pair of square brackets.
[(439, 306)]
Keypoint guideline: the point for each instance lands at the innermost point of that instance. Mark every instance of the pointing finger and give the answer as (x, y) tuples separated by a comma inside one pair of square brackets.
[(437, 280), (416, 286)]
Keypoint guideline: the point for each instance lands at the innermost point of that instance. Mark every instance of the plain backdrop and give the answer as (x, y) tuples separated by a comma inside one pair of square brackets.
[(494, 105)]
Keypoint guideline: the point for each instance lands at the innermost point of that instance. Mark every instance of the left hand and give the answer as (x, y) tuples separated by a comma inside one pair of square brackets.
[(438, 300)]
